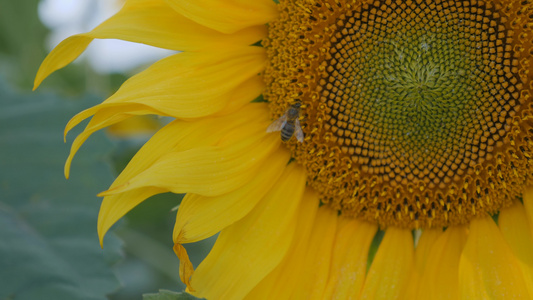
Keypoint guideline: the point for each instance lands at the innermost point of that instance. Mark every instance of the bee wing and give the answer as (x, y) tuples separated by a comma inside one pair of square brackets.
[(299, 133), (277, 124)]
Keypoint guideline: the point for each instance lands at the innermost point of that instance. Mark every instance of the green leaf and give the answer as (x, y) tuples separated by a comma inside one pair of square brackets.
[(49, 248), (168, 295)]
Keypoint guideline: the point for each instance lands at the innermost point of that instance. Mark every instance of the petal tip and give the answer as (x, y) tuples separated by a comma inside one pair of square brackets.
[(39, 77), (101, 231), (67, 170)]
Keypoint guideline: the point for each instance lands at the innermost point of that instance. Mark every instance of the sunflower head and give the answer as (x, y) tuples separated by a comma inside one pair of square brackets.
[(407, 115), (416, 113)]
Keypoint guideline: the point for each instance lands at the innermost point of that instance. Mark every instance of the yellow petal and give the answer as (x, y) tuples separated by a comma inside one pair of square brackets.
[(200, 217), (248, 250), (186, 85), (314, 276), (205, 84), (208, 171), (243, 94), (154, 22), (389, 273), (150, 22), (227, 16), (440, 275), (514, 226), (177, 136), (280, 283), (528, 206), (180, 136), (303, 274), (134, 127), (488, 269), (62, 55), (191, 85), (116, 206), (99, 121), (423, 248), (350, 258)]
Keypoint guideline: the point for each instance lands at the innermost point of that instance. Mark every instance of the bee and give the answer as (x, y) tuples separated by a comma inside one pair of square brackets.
[(289, 124)]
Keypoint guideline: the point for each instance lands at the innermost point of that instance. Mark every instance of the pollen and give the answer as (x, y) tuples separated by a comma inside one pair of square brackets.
[(415, 114)]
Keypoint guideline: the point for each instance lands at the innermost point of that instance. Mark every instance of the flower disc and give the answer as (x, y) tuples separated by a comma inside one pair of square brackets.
[(415, 113)]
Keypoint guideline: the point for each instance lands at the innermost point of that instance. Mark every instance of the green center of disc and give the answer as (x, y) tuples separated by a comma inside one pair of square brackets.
[(416, 92), (419, 89)]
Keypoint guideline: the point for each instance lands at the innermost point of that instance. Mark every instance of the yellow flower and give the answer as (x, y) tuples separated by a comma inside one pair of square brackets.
[(415, 119)]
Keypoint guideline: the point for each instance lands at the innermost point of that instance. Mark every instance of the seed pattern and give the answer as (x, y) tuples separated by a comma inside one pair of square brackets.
[(416, 113)]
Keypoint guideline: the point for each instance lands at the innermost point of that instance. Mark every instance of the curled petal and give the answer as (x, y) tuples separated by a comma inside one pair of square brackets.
[(205, 83), (184, 136)]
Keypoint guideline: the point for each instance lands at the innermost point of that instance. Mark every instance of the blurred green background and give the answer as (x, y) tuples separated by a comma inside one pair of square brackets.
[(48, 243)]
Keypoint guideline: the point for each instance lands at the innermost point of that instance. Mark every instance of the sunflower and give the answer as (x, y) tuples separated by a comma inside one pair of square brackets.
[(403, 125)]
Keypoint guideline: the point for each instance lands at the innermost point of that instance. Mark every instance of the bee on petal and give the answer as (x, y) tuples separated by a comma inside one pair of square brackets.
[(289, 124)]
